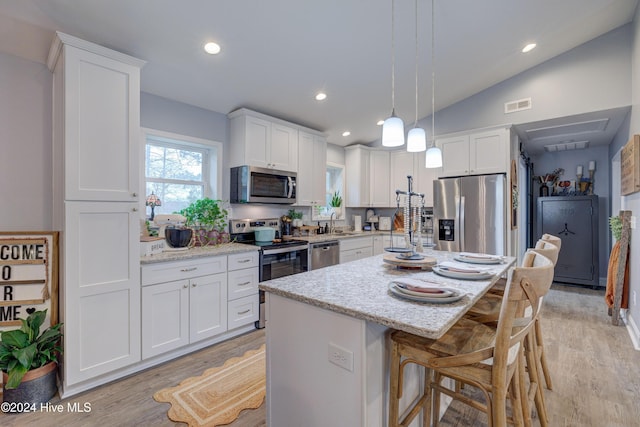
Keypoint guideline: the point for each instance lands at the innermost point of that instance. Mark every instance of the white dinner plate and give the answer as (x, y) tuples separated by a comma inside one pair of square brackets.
[(446, 292), (455, 296), (478, 259), (462, 275)]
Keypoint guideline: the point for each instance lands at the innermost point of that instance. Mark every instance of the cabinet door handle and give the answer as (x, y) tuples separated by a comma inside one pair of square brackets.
[(134, 194), (184, 270), (244, 284), (185, 286), (193, 285), (135, 209), (245, 311), (244, 261)]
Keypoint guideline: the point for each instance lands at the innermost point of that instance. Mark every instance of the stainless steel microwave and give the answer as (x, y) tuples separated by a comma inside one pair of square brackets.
[(250, 184)]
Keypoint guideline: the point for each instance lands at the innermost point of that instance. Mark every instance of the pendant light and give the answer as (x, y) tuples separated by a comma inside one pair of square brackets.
[(416, 139), (393, 127), (433, 158)]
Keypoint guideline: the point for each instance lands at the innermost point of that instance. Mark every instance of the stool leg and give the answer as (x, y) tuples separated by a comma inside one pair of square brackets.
[(541, 355), (427, 407), (394, 398)]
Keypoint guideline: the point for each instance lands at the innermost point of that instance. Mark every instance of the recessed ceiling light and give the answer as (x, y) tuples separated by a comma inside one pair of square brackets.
[(212, 48), (528, 48), (380, 122), (321, 96), (346, 133)]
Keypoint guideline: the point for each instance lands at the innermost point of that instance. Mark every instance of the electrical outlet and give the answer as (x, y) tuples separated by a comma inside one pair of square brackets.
[(341, 357), (634, 298), (632, 221)]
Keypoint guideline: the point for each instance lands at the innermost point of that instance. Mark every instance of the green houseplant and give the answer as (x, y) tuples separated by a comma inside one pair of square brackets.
[(336, 200), (25, 350), (208, 218)]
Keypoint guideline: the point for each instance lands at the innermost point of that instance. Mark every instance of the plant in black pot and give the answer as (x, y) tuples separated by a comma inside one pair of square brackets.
[(29, 360), (208, 218)]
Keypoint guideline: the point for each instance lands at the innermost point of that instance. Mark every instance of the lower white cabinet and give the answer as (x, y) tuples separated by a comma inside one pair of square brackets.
[(355, 248), (183, 311), (243, 295)]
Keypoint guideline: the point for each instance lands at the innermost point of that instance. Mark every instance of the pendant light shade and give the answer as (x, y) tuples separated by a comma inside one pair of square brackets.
[(393, 127), (433, 159), (416, 140), (393, 131)]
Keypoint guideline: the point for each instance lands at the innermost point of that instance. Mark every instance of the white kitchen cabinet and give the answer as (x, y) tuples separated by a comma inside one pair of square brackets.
[(475, 153), (180, 312), (378, 245), (258, 140), (404, 163), (379, 179), (100, 280), (96, 131), (357, 176), (312, 169), (367, 177), (243, 307), (96, 114), (355, 248)]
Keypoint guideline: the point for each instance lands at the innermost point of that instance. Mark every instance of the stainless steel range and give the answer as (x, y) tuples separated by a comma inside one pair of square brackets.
[(277, 259)]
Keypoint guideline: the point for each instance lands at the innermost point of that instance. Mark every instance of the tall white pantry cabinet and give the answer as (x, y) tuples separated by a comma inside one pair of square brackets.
[(96, 125)]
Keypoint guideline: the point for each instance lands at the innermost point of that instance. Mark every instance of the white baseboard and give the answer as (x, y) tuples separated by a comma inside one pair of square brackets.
[(632, 328)]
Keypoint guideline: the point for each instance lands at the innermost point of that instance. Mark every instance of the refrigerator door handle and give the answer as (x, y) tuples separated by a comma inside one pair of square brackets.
[(461, 222)]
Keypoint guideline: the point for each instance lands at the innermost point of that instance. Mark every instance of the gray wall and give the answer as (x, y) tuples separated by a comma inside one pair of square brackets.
[(25, 145)]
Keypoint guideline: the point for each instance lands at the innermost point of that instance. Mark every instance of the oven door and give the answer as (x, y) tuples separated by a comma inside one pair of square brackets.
[(275, 263)]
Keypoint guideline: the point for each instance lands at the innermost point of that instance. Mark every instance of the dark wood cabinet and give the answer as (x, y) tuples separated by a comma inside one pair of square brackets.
[(575, 220)]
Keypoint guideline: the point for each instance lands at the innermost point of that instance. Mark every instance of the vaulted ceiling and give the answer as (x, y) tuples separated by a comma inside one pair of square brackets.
[(277, 54)]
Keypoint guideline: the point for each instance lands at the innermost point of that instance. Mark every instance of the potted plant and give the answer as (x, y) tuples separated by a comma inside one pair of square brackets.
[(296, 217), (29, 360), (208, 219), (336, 203)]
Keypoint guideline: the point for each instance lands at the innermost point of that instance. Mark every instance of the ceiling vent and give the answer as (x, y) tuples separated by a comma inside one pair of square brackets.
[(571, 145), (519, 105)]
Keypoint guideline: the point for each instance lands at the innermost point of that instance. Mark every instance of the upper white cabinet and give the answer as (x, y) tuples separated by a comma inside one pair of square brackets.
[(312, 168), (403, 164), (96, 115), (96, 128), (475, 153), (367, 177), (258, 140)]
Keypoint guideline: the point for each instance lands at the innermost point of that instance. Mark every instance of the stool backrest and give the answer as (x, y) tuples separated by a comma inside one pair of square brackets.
[(547, 249), (552, 239)]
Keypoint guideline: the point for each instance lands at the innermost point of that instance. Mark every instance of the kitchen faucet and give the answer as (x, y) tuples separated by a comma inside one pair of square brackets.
[(331, 227)]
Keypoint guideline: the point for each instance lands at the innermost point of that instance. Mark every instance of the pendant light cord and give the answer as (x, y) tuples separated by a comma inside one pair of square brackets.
[(433, 73), (393, 60), (415, 124)]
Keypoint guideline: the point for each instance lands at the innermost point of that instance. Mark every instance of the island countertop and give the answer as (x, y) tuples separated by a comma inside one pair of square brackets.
[(361, 289)]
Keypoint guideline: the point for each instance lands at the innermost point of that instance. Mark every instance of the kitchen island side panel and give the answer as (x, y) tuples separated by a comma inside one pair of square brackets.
[(305, 388)]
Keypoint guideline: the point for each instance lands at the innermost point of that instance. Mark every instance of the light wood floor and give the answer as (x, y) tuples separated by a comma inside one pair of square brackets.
[(596, 374)]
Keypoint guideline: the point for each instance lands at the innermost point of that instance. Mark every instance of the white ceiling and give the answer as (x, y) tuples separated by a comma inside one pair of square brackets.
[(277, 54)]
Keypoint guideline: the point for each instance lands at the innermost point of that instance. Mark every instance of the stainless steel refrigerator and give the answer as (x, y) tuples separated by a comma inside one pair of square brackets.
[(470, 214)]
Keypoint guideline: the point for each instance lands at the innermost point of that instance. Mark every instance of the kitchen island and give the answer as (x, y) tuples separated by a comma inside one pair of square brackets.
[(327, 361)]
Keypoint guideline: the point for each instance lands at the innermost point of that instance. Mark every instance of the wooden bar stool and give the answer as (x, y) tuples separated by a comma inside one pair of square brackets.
[(475, 354), (487, 310)]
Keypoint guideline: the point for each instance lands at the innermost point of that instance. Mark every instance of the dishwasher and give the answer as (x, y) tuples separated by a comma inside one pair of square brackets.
[(324, 254)]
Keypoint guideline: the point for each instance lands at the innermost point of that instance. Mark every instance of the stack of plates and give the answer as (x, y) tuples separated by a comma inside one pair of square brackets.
[(478, 258), (423, 291), (450, 269)]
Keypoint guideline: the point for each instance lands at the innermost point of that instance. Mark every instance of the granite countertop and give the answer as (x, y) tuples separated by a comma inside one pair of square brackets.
[(360, 289), (198, 252)]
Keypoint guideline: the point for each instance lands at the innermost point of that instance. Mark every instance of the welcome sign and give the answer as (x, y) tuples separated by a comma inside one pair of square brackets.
[(28, 276)]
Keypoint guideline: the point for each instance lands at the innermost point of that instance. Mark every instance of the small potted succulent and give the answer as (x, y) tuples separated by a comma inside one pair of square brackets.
[(29, 360), (336, 203), (296, 217), (208, 218)]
